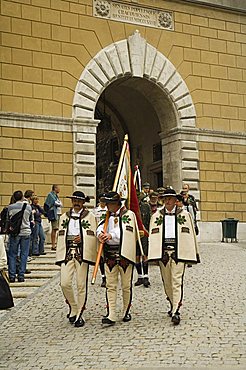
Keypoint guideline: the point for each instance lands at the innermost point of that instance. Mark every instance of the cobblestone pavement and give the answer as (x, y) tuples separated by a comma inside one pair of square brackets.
[(36, 333)]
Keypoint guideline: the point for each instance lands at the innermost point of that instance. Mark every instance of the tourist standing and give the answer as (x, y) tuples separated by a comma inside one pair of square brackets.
[(20, 237), (52, 207)]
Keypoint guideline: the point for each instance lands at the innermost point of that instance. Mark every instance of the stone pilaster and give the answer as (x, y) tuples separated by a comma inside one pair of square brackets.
[(84, 153), (181, 159)]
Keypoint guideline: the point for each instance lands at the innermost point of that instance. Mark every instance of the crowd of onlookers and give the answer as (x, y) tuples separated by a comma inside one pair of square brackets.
[(23, 235)]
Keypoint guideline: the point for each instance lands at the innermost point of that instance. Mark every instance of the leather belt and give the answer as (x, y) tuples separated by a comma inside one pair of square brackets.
[(72, 252), (169, 248), (111, 251)]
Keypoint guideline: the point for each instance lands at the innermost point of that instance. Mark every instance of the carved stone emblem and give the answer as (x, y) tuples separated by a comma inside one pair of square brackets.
[(102, 8), (165, 19)]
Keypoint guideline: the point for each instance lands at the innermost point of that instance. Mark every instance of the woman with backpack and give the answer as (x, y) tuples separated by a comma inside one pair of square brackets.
[(38, 235)]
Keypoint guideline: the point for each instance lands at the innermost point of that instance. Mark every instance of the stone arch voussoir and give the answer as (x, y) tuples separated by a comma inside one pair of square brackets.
[(136, 58), (131, 57)]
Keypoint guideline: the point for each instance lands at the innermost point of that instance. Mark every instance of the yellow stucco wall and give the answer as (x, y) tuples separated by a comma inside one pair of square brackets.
[(35, 159), (222, 181), (46, 44)]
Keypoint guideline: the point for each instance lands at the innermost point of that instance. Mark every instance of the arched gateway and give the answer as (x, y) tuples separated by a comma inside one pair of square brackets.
[(129, 72)]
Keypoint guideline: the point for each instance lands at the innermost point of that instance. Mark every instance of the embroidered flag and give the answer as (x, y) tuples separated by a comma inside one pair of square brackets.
[(124, 184)]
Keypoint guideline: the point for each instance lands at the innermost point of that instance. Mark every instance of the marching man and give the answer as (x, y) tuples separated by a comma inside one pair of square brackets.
[(119, 254), (76, 249), (172, 241)]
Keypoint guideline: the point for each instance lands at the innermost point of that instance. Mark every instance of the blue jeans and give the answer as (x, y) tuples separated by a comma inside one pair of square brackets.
[(24, 243), (38, 239)]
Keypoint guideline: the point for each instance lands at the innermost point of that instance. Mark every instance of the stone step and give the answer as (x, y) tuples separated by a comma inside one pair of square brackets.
[(42, 269), (46, 261), (47, 256), (32, 283), (34, 267), (21, 294), (45, 275)]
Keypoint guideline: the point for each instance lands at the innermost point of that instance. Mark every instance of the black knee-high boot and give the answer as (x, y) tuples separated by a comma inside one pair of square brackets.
[(140, 274), (102, 269), (145, 271)]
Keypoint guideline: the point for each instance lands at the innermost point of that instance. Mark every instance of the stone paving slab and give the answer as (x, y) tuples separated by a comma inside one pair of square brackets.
[(37, 335)]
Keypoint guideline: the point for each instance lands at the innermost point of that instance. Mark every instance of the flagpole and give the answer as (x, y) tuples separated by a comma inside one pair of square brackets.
[(100, 248), (99, 252)]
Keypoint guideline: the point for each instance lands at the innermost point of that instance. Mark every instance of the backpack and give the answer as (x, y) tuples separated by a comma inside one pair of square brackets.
[(46, 209), (49, 212), (14, 223), (3, 220)]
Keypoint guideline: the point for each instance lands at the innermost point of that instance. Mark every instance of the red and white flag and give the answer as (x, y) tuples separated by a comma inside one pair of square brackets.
[(137, 179)]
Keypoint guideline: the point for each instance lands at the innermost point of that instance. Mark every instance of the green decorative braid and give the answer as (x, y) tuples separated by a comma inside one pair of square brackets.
[(65, 223), (159, 220), (126, 219), (103, 217), (85, 224), (181, 219)]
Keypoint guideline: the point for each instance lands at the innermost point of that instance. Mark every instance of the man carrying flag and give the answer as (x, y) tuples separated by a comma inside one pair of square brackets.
[(119, 241), (118, 234)]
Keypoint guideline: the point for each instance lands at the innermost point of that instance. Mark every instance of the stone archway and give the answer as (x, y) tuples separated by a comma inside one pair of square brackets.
[(134, 57)]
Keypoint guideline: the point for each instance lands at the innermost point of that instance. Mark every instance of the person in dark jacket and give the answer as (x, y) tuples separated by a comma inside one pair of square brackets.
[(54, 205), (38, 236), (21, 239)]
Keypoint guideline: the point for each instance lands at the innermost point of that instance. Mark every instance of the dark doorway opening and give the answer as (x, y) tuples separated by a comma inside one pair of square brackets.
[(125, 107)]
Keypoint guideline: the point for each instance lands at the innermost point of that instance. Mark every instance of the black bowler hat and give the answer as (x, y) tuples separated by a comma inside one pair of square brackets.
[(79, 195), (111, 197), (160, 191), (179, 198), (169, 193)]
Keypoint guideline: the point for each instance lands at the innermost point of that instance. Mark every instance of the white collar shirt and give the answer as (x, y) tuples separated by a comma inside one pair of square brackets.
[(170, 224), (73, 225), (113, 229)]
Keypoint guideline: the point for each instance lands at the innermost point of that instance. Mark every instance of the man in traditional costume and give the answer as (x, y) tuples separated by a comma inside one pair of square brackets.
[(119, 254), (76, 249), (172, 241)]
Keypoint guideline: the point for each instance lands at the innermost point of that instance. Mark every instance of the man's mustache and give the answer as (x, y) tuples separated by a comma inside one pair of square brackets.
[(76, 205)]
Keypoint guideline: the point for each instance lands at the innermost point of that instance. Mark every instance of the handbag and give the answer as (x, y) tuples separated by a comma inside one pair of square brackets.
[(6, 299), (51, 215)]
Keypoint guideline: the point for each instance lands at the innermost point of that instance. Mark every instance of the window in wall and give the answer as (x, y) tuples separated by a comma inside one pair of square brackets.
[(157, 152)]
